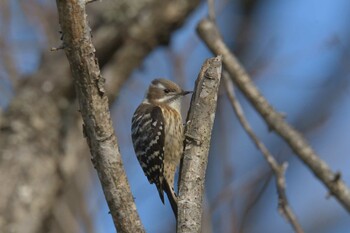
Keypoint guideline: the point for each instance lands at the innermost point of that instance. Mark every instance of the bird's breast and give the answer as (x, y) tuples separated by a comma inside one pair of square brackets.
[(173, 134)]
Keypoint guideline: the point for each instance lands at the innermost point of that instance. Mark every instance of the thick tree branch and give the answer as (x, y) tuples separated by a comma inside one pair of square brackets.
[(93, 103), (336, 186), (199, 125), (278, 170)]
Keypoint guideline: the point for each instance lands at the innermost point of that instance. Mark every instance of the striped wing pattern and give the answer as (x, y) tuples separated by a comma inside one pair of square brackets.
[(148, 140)]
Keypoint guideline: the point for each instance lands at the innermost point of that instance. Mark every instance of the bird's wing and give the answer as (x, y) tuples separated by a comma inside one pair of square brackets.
[(148, 138)]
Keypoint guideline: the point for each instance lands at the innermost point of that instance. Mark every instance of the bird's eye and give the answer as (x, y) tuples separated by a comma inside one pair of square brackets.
[(166, 91)]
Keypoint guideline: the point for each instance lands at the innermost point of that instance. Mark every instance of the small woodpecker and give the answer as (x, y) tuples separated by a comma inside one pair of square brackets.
[(157, 136)]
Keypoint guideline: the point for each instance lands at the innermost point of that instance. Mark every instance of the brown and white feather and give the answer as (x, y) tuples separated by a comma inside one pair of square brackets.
[(157, 134)]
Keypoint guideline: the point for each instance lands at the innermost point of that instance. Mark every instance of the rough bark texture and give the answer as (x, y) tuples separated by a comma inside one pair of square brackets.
[(41, 137), (30, 132), (93, 102), (199, 125), (336, 186)]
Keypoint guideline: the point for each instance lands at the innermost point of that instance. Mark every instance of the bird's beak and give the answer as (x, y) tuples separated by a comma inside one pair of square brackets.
[(186, 92)]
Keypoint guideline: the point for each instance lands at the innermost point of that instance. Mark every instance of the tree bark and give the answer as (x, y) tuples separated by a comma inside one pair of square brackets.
[(199, 125), (93, 102)]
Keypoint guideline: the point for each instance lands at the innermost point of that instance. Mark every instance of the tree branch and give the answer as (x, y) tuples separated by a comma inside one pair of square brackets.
[(151, 29), (93, 103), (278, 170), (199, 125), (336, 186)]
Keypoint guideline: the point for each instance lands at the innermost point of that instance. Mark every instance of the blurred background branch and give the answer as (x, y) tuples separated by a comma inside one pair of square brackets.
[(278, 169), (274, 120)]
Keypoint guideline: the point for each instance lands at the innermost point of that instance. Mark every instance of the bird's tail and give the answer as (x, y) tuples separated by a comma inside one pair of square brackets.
[(171, 196), (159, 185)]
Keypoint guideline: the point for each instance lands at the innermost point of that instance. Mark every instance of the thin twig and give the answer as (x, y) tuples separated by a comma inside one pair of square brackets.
[(275, 121), (211, 10), (278, 169), (254, 200), (90, 1), (228, 193), (54, 49)]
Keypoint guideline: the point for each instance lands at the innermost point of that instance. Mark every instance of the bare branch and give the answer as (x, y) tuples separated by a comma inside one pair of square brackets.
[(90, 1), (199, 124), (151, 29), (336, 186), (54, 49), (96, 116), (211, 10), (277, 169), (283, 205)]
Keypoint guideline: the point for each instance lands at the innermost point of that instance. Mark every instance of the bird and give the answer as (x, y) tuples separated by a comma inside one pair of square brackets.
[(157, 135)]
